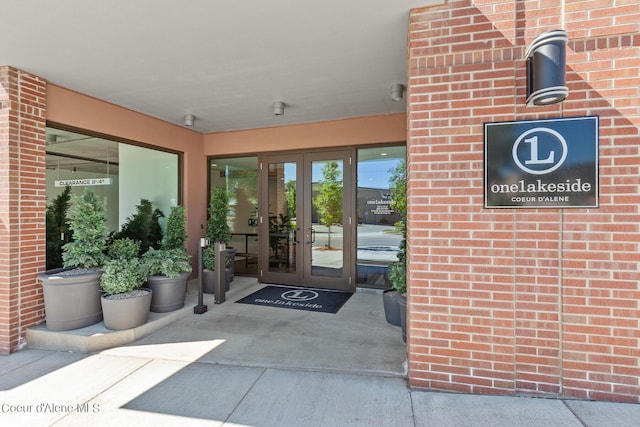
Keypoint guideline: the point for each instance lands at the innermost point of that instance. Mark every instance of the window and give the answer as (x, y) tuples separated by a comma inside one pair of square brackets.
[(239, 176), (378, 234), (120, 174)]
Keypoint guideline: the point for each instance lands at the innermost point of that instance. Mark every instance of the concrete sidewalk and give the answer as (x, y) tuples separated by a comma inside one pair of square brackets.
[(245, 365)]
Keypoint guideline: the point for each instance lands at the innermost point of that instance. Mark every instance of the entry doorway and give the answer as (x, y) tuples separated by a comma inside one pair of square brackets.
[(306, 219)]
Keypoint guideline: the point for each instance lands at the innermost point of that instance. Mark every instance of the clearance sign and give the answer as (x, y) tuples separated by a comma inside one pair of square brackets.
[(541, 163)]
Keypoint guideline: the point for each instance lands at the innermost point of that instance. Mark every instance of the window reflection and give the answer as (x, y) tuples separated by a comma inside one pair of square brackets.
[(239, 176), (120, 174), (378, 234)]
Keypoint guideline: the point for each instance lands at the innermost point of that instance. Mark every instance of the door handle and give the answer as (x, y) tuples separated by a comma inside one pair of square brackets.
[(311, 236), (295, 235)]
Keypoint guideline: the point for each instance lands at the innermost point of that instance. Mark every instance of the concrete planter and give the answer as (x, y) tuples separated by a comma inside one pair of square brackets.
[(168, 293), (71, 301), (126, 313)]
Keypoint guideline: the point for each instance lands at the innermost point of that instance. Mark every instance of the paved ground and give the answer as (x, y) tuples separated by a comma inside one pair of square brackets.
[(245, 365)]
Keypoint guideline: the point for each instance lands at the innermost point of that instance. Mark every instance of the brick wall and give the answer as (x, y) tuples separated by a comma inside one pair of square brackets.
[(527, 301), (22, 204)]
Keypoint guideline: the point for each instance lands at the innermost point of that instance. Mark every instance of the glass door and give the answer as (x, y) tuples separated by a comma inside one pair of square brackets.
[(307, 220)]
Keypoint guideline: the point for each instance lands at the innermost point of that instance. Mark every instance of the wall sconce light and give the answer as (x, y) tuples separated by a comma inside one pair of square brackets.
[(188, 119), (278, 108), (546, 58), (396, 92)]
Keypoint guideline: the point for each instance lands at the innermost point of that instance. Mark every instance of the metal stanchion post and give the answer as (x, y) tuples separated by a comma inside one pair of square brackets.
[(200, 308), (220, 251)]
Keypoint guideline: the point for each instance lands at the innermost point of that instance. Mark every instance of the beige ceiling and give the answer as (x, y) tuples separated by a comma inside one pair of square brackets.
[(224, 61)]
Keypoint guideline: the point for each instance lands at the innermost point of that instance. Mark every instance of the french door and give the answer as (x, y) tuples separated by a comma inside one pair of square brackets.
[(305, 220)]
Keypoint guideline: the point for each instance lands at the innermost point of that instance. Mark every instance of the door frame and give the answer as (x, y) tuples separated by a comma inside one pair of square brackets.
[(304, 158)]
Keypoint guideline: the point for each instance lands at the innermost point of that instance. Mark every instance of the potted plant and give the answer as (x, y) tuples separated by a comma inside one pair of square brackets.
[(217, 231), (72, 293), (397, 270), (168, 268), (124, 304)]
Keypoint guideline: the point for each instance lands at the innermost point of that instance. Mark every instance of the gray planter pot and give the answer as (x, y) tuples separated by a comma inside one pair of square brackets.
[(402, 301), (126, 313), (71, 301), (209, 281), (391, 307), (168, 293)]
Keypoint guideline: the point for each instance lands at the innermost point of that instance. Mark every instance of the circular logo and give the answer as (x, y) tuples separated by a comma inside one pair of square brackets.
[(546, 151), (301, 295)]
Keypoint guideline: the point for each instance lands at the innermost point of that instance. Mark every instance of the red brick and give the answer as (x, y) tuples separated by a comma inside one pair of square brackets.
[(591, 256)]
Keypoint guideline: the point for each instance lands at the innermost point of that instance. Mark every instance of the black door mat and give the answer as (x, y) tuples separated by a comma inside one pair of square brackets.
[(298, 299)]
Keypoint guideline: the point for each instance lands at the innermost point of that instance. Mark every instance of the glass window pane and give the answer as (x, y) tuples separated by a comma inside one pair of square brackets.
[(282, 216), (378, 234), (240, 177), (326, 218), (120, 174)]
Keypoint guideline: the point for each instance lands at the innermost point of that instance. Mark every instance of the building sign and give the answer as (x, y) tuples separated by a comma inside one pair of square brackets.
[(82, 182), (541, 163)]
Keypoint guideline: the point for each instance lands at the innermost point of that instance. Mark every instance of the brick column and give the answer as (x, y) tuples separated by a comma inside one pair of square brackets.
[(22, 204), (511, 301)]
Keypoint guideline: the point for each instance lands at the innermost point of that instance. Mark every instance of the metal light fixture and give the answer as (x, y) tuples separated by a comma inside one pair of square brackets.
[(278, 108), (396, 92), (546, 58), (188, 119)]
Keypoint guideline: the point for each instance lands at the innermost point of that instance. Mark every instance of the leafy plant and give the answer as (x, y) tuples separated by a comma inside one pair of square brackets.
[(122, 274), (278, 226), (328, 202), (218, 229), (165, 262), (88, 225), (143, 226), (58, 233), (398, 276)]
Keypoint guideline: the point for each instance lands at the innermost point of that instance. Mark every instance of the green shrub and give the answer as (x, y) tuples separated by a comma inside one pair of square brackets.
[(121, 276), (218, 229), (124, 249), (176, 232), (88, 225)]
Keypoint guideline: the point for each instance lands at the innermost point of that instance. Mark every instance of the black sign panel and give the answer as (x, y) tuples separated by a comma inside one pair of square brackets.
[(541, 163)]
